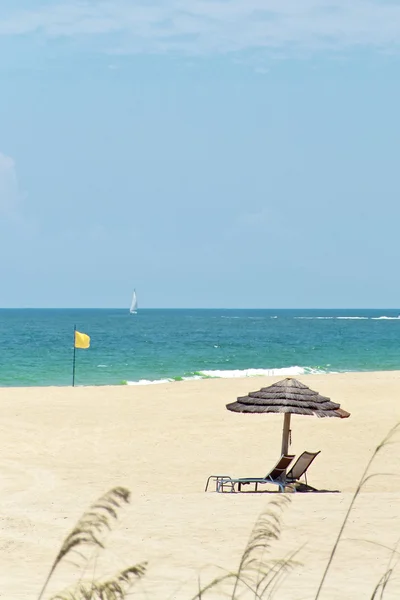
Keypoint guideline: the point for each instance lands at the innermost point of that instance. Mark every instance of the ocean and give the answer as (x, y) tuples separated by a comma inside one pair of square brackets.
[(159, 345)]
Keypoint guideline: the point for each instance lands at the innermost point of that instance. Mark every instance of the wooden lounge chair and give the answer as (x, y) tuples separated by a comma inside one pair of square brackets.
[(301, 466), (275, 476)]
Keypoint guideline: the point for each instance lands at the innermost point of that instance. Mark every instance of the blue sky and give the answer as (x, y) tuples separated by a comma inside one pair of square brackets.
[(239, 153)]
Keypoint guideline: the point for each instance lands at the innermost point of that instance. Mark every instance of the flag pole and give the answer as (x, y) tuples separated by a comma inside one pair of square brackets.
[(73, 361)]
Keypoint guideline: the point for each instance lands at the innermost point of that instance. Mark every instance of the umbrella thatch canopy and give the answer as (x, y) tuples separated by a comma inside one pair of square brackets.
[(288, 396)]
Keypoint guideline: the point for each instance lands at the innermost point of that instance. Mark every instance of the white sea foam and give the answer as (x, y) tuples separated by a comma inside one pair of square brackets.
[(148, 381), (229, 374), (233, 374), (171, 380), (352, 318), (386, 318), (312, 318), (262, 318)]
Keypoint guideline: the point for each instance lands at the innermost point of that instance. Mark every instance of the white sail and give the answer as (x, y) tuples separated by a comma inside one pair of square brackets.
[(134, 304)]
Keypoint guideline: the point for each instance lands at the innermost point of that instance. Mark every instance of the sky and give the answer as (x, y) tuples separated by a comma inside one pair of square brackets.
[(230, 153)]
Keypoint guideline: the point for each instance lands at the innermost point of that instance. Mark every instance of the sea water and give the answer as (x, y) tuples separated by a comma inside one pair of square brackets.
[(157, 345)]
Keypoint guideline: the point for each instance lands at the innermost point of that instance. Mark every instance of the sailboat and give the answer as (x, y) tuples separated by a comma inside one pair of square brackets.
[(133, 308)]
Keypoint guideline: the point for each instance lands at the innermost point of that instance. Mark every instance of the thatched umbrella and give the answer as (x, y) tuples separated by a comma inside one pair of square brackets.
[(288, 396)]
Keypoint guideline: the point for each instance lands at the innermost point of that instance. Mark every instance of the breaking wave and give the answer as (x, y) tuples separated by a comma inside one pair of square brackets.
[(353, 318), (386, 318), (233, 374), (312, 318)]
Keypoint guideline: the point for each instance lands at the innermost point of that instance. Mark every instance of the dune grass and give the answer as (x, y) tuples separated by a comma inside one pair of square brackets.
[(366, 476), (87, 537), (257, 574)]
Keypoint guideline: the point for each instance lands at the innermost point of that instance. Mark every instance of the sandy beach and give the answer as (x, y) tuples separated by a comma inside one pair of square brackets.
[(61, 448)]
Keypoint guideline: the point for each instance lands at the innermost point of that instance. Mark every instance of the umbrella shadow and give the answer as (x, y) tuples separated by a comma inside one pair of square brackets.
[(304, 488)]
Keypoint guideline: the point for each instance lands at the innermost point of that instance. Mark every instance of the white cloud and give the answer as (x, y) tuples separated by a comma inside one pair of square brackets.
[(8, 186), (6, 163), (214, 26)]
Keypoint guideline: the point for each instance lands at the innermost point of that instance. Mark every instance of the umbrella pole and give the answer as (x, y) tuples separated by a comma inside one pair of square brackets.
[(285, 434)]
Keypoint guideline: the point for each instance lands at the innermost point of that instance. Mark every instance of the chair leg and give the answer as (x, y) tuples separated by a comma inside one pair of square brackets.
[(219, 485)]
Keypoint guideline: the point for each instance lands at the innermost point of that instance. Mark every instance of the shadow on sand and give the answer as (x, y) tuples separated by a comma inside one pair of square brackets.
[(301, 488), (305, 488)]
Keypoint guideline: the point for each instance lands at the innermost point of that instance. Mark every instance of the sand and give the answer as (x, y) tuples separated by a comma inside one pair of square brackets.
[(61, 448)]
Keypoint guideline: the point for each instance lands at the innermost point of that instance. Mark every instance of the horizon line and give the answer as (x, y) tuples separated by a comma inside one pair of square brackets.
[(195, 308)]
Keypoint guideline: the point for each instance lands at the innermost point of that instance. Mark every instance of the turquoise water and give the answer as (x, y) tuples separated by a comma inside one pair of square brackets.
[(158, 345)]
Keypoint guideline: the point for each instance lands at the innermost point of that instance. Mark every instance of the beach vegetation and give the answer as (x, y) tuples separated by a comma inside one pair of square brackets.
[(257, 574), (87, 538)]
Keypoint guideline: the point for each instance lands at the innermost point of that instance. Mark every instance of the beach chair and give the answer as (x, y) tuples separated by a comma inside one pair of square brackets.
[(301, 466), (275, 476)]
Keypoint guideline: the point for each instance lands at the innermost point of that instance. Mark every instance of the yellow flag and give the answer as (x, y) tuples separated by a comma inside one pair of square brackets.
[(81, 340)]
